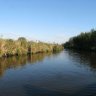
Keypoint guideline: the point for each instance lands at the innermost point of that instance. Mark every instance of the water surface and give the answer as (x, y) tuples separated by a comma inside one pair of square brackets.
[(68, 73)]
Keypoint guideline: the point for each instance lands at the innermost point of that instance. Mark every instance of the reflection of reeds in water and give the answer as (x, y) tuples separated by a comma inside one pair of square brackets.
[(37, 57), (19, 61)]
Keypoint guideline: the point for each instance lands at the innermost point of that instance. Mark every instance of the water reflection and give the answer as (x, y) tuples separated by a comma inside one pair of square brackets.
[(87, 59), (59, 74), (19, 61)]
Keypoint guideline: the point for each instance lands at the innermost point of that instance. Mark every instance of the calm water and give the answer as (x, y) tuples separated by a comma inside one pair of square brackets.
[(68, 73)]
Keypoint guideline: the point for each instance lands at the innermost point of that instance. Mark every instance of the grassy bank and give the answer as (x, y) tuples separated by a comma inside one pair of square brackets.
[(84, 41), (9, 47)]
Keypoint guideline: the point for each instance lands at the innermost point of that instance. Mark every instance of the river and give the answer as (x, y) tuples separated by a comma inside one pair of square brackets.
[(68, 73)]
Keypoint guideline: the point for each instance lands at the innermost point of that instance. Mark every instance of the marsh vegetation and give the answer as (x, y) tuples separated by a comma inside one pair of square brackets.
[(22, 46)]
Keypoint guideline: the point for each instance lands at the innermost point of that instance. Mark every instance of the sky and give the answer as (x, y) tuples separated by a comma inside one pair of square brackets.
[(46, 20)]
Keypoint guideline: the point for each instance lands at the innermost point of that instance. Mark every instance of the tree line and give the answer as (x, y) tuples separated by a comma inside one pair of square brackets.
[(84, 41), (10, 47)]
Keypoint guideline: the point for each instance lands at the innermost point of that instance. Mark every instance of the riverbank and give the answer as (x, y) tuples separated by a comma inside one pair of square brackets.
[(9, 47), (85, 41)]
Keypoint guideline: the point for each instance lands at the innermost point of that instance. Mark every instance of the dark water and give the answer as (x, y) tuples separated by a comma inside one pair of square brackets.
[(68, 73)]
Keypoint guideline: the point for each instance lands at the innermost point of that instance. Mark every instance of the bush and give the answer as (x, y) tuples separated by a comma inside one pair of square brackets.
[(9, 47)]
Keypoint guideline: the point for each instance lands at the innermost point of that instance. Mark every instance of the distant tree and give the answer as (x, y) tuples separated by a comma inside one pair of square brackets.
[(22, 39), (84, 41)]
